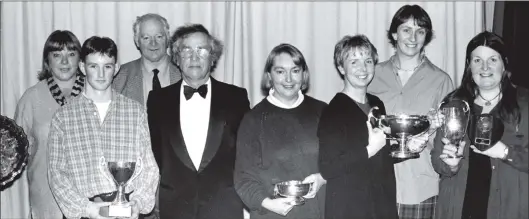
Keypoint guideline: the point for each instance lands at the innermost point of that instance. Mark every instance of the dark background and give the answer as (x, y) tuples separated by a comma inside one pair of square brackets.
[(511, 21)]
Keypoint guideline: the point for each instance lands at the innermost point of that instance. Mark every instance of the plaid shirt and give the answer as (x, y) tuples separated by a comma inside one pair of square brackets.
[(78, 140)]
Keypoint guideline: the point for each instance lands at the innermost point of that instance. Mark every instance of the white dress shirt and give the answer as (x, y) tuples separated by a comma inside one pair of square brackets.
[(148, 75), (194, 122)]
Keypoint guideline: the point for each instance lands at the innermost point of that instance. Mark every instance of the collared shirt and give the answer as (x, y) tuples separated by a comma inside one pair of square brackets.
[(194, 121), (425, 89), (273, 100), (78, 141), (148, 75)]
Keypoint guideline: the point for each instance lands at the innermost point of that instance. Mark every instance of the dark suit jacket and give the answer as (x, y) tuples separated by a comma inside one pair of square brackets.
[(129, 80), (357, 186), (207, 193)]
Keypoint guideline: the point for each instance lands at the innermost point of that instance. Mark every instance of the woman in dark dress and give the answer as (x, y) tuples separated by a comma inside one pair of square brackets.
[(489, 184), (352, 158), (277, 141)]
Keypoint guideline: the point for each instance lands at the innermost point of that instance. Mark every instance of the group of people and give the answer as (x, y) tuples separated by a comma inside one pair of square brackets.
[(206, 154)]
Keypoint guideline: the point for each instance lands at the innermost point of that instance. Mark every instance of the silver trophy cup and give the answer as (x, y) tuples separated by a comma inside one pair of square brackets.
[(456, 121), (120, 173), (400, 128), (294, 189)]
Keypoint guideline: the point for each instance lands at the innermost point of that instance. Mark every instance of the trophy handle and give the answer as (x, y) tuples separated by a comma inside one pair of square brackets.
[(103, 169), (138, 169), (375, 122)]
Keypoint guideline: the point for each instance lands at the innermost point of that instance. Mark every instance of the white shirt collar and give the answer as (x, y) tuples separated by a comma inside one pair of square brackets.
[(273, 100), (148, 66)]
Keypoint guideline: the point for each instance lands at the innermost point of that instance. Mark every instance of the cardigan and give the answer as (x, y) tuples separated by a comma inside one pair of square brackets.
[(509, 189), (357, 186), (34, 112)]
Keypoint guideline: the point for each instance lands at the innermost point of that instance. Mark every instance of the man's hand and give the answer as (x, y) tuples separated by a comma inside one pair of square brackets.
[(135, 209), (278, 205), (93, 210)]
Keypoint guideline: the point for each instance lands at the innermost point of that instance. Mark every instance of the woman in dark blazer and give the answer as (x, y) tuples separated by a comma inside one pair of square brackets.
[(352, 158)]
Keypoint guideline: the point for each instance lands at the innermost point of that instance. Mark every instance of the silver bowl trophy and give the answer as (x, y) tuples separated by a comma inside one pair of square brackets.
[(14, 151), (294, 189), (400, 128), (456, 121), (486, 131), (120, 173)]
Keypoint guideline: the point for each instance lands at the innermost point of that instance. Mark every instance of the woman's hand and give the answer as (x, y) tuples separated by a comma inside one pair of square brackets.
[(376, 139), (496, 151), (316, 181), (452, 154), (278, 205), (417, 143), (436, 119)]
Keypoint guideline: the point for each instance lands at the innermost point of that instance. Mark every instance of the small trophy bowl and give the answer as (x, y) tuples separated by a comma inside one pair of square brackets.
[(293, 189)]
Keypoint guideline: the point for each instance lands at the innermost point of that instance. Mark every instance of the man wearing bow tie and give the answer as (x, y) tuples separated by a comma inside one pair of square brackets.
[(193, 126)]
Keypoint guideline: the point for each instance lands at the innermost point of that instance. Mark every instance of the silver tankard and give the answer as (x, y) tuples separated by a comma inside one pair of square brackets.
[(456, 121)]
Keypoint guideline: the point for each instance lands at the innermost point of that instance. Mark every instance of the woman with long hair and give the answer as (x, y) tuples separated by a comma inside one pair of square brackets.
[(492, 183)]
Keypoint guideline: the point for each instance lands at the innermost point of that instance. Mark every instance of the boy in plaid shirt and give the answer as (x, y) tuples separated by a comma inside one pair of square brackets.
[(99, 123)]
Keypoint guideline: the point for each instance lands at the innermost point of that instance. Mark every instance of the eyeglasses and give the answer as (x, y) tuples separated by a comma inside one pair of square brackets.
[(187, 52)]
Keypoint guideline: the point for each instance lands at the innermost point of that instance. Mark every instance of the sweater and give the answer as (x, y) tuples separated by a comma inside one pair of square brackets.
[(275, 145)]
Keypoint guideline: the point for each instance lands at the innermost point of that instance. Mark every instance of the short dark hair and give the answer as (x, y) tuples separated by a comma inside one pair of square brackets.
[(347, 43), (298, 59), (102, 45), (405, 13), (184, 31), (57, 41)]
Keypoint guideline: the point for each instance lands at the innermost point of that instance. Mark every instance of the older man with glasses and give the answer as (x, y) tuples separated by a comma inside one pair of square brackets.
[(193, 126)]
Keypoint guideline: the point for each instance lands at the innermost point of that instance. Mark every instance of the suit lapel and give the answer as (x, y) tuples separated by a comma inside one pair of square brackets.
[(174, 73), (176, 137), (135, 87), (216, 125)]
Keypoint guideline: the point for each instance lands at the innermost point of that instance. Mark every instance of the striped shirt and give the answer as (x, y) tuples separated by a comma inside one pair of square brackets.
[(78, 140)]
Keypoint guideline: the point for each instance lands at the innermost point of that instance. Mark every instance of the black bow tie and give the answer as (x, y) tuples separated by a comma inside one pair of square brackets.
[(189, 91)]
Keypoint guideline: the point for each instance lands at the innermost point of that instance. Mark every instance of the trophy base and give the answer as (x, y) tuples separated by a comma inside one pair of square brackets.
[(119, 211), (404, 154), (296, 201)]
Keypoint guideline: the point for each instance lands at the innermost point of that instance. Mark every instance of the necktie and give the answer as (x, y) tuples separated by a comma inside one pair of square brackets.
[(155, 81), (189, 91)]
